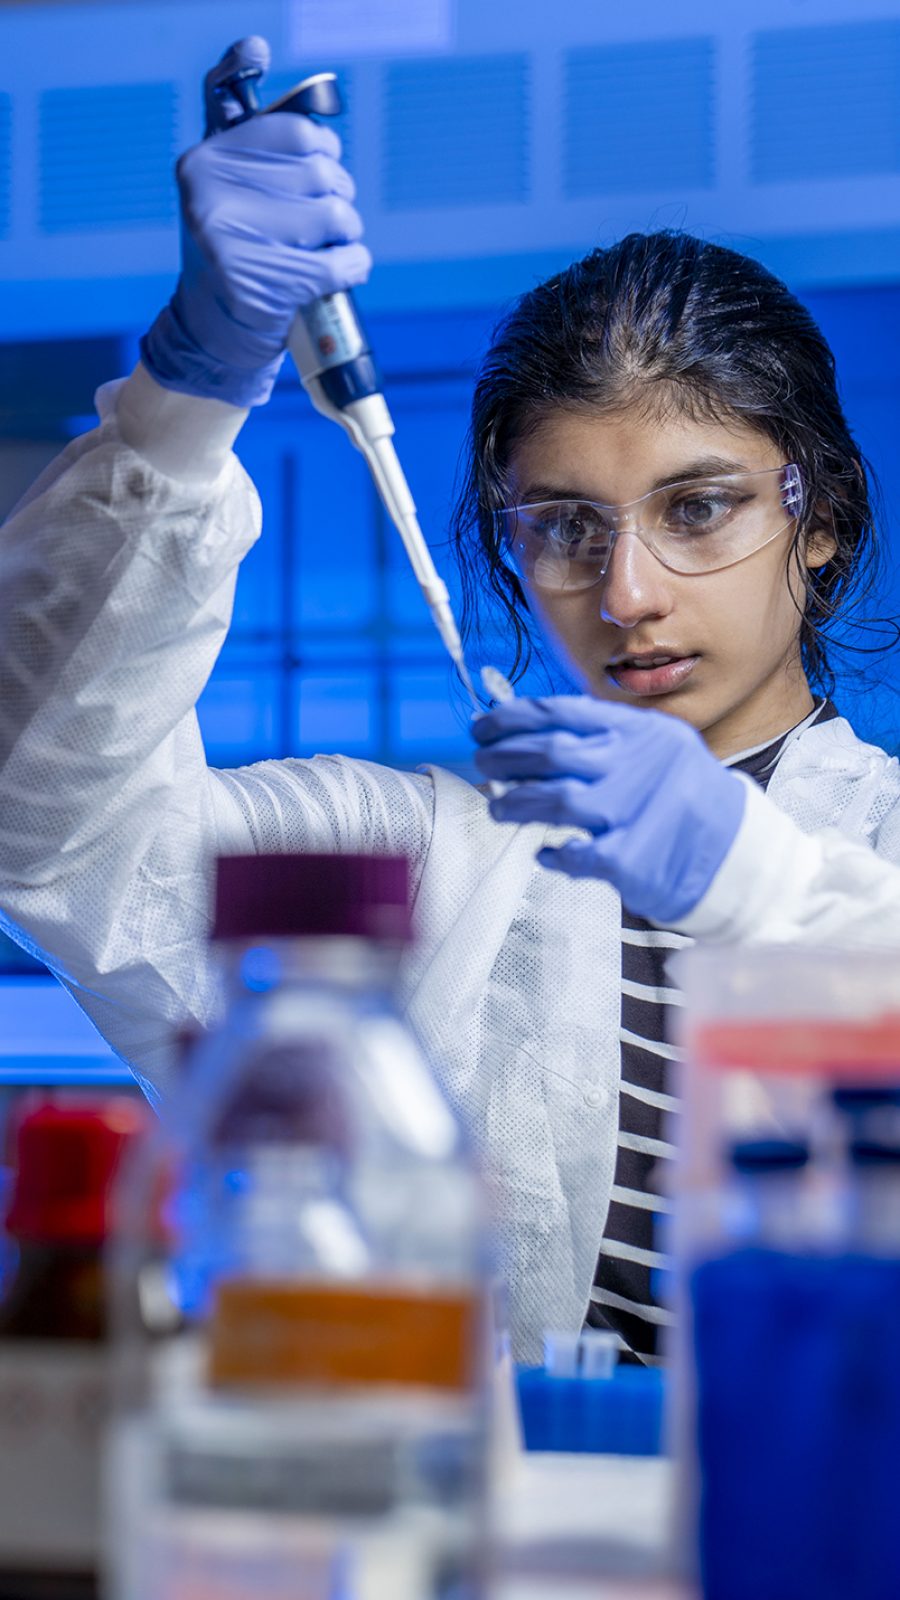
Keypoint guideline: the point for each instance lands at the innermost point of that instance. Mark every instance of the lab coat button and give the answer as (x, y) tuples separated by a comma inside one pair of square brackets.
[(595, 1097)]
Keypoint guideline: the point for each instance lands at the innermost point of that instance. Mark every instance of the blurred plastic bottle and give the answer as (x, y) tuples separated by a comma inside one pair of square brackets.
[(864, 1144), (868, 1108), (874, 1199), (54, 1353), (301, 1278), (769, 1206)]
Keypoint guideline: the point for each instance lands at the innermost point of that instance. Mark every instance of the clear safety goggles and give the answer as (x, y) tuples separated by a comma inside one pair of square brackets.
[(697, 526)]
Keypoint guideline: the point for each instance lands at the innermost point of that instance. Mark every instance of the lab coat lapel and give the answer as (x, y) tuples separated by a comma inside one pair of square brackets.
[(514, 990), (464, 909)]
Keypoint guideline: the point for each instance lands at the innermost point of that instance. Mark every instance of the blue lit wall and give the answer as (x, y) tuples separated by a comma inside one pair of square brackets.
[(534, 133)]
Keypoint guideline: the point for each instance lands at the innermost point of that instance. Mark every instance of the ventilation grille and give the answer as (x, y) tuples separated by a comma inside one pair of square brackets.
[(278, 83), (456, 132), (107, 156), (639, 117), (826, 102), (5, 164)]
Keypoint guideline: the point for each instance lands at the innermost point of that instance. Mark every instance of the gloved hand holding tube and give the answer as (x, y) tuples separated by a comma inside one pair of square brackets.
[(661, 811)]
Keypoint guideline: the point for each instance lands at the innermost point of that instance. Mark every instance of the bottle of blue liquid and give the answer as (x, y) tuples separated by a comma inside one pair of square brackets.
[(798, 1405)]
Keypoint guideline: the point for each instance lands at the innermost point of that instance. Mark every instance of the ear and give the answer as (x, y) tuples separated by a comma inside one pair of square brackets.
[(821, 546)]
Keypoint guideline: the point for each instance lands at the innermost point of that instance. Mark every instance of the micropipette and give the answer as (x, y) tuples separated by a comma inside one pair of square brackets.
[(337, 370)]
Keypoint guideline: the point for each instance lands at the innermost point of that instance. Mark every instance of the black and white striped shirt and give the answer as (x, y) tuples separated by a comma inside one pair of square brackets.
[(629, 1293)]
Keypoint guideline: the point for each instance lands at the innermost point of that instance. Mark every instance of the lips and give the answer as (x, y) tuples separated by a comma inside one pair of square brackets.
[(651, 672)]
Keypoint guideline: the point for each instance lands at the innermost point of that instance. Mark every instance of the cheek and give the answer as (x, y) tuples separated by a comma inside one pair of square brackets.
[(777, 596), (750, 611)]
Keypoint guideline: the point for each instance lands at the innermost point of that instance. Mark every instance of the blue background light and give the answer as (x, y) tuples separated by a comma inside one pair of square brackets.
[(534, 134)]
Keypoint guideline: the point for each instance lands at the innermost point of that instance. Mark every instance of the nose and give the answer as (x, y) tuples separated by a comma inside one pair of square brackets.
[(636, 585)]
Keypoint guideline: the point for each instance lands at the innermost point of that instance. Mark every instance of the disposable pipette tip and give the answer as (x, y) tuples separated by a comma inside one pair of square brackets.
[(445, 623), (468, 685)]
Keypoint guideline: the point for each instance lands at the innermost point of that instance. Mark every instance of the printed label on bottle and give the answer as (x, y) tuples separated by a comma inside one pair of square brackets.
[(266, 1332), (208, 1556), (54, 1402)]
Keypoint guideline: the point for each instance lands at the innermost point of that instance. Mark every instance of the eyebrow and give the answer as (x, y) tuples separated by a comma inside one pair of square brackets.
[(692, 472)]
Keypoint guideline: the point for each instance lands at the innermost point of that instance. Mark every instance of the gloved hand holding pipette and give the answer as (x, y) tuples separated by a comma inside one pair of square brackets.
[(270, 245), (660, 812), (268, 225)]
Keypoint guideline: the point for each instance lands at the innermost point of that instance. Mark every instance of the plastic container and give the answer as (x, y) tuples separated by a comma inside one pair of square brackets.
[(787, 1237), (304, 1345), (874, 1195), (621, 1414)]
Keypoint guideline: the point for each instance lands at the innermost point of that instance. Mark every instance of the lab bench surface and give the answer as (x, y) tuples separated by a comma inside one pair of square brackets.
[(563, 1520), (570, 1527)]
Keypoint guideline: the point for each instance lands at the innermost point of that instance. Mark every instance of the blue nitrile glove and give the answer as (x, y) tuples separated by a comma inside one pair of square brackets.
[(267, 226), (662, 811)]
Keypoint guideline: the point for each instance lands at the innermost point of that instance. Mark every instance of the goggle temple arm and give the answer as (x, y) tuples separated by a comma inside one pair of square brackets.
[(793, 493)]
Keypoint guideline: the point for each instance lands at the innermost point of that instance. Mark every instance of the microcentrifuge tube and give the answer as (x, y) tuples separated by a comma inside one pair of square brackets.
[(499, 688)]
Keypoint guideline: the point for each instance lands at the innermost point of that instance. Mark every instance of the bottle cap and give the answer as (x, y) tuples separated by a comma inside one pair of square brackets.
[(769, 1155), (312, 896), (67, 1156), (856, 1099), (874, 1153)]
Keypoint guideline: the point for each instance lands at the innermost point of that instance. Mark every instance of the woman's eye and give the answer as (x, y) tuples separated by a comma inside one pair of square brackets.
[(698, 512), (576, 527)]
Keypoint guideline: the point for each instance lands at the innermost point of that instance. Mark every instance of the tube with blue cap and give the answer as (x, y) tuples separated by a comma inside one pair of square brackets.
[(338, 372)]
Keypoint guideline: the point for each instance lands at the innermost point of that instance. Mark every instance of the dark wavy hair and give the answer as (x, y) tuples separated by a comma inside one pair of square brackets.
[(683, 326)]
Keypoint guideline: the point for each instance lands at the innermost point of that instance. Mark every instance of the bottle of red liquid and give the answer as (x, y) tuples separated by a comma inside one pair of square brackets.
[(54, 1353)]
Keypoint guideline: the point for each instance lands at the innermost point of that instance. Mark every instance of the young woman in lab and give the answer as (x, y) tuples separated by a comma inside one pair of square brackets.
[(664, 483)]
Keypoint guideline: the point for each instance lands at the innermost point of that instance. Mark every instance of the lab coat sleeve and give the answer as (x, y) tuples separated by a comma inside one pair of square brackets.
[(781, 885), (117, 577)]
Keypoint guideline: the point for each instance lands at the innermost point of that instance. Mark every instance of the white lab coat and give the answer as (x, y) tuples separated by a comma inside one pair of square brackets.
[(117, 580)]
